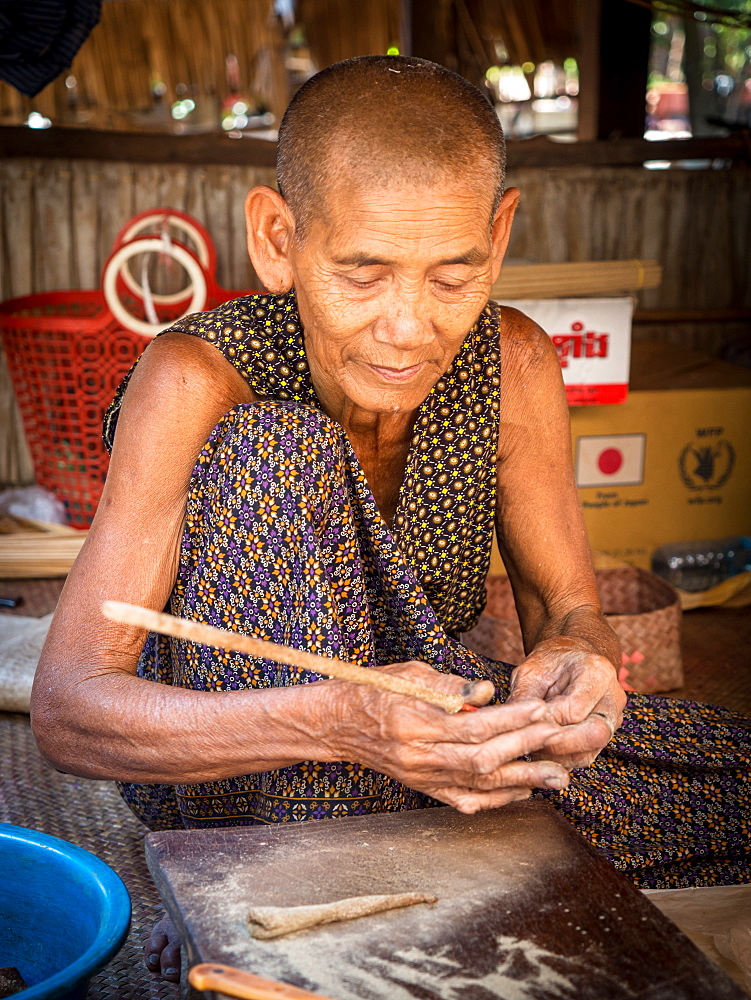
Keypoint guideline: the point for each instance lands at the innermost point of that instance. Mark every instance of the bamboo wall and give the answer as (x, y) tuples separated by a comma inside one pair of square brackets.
[(70, 212), (333, 33), (58, 220)]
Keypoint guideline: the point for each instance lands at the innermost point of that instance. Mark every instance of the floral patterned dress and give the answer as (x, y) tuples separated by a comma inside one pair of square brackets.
[(283, 540)]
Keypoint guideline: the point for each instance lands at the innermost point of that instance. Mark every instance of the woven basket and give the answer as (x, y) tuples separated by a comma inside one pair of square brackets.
[(643, 610)]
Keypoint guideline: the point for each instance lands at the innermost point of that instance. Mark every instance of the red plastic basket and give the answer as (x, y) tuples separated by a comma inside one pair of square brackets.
[(66, 356)]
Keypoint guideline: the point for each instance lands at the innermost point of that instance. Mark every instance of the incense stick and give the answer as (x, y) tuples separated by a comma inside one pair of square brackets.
[(181, 628)]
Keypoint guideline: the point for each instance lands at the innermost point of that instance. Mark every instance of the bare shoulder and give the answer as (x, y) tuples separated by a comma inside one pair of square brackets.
[(534, 410), (179, 391), (525, 347), (181, 386), (186, 366)]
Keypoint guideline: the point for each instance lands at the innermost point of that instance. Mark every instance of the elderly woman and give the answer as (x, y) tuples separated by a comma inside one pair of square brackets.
[(323, 466)]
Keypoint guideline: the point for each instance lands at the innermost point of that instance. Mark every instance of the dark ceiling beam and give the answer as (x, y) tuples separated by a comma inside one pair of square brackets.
[(214, 148), (541, 151), (134, 147)]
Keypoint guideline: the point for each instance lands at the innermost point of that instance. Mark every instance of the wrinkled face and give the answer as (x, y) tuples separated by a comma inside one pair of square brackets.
[(389, 282)]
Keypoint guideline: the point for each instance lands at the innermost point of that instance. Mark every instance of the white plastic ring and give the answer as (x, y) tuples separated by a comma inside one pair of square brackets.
[(153, 244), (157, 220)]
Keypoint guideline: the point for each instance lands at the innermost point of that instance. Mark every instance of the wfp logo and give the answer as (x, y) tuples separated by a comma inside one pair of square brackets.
[(706, 464)]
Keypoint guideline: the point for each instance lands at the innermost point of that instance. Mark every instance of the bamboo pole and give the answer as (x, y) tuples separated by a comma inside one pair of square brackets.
[(31, 554), (554, 281)]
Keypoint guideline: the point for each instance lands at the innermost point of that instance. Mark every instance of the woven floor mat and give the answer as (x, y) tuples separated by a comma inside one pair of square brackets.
[(92, 815), (38, 597), (717, 664)]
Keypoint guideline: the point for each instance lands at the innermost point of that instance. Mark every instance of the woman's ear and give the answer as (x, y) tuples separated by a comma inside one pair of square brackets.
[(270, 229), (501, 230)]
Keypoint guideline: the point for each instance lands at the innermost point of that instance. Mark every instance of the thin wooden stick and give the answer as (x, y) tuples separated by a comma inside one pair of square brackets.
[(181, 628), (230, 982)]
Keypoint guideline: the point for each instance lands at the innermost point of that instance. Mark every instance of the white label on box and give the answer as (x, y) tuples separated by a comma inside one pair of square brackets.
[(610, 460), (593, 340)]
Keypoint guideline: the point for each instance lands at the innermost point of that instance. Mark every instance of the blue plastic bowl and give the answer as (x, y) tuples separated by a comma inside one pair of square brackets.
[(63, 913)]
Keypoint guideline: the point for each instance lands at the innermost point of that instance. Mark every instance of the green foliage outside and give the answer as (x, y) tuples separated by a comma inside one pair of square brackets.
[(711, 55)]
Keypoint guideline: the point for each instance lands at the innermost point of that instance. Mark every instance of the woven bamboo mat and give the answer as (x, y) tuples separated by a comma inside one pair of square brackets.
[(716, 658), (92, 815)]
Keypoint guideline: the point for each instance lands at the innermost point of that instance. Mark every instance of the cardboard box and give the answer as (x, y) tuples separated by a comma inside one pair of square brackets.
[(593, 340), (672, 463)]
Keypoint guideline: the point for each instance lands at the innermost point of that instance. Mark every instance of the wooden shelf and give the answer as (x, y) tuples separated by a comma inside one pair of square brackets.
[(60, 142)]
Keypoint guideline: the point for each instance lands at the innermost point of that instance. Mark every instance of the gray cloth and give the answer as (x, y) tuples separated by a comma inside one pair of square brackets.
[(21, 641)]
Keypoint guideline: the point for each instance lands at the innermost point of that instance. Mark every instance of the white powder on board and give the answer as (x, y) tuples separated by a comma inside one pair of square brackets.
[(438, 975)]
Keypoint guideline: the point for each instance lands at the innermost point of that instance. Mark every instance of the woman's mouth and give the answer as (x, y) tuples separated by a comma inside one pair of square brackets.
[(397, 374)]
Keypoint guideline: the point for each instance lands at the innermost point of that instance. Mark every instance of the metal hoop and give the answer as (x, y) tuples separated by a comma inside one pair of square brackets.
[(178, 222), (152, 244)]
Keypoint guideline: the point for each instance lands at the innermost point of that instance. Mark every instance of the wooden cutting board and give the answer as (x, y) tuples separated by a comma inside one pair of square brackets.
[(527, 910)]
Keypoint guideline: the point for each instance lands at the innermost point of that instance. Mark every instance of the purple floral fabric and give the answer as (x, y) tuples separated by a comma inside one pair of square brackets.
[(283, 541)]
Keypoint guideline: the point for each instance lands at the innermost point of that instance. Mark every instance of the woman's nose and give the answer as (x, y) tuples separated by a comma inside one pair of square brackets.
[(404, 323)]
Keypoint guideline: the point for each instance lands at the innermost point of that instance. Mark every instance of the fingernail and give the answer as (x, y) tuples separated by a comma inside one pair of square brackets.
[(170, 972), (537, 713), (556, 781), (153, 960), (468, 689)]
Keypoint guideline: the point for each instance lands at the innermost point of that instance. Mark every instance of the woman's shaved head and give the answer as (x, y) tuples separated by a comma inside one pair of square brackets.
[(380, 120)]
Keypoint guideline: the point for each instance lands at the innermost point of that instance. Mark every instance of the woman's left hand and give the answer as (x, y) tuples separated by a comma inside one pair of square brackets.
[(583, 695)]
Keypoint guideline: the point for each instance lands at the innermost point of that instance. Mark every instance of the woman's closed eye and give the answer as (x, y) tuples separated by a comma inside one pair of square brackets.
[(365, 277), (362, 282), (450, 285), (454, 281)]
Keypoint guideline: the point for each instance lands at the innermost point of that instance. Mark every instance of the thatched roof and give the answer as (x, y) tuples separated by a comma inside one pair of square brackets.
[(184, 43)]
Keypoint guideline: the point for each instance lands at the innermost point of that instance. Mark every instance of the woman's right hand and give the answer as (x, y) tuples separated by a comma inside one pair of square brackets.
[(469, 760)]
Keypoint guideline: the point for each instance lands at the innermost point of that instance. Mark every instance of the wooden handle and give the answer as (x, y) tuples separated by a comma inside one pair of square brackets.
[(235, 983), (182, 628)]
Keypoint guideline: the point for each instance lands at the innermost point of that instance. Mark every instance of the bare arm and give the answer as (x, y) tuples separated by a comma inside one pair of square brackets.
[(573, 654), (93, 716)]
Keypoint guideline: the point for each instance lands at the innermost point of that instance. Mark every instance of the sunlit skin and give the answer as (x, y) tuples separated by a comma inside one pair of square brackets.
[(388, 283), (387, 289)]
